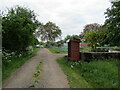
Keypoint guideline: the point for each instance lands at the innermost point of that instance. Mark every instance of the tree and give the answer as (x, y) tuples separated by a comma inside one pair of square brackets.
[(112, 24), (94, 38), (68, 37), (81, 36), (72, 37), (59, 43), (18, 25), (0, 31), (91, 27), (49, 32)]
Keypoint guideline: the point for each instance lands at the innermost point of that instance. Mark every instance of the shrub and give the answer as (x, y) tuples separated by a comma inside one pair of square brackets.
[(18, 25), (6, 56), (29, 50)]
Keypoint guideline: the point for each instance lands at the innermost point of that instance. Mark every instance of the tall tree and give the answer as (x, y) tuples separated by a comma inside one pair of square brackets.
[(92, 27), (49, 32), (94, 38), (18, 26), (0, 31), (112, 24)]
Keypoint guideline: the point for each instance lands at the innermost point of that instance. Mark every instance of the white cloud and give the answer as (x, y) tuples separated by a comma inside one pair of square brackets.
[(70, 15)]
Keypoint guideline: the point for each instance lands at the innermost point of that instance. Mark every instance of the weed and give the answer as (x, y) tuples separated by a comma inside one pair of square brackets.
[(14, 63), (36, 75), (96, 74)]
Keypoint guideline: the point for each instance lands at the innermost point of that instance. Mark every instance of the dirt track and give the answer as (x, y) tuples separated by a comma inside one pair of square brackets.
[(51, 75)]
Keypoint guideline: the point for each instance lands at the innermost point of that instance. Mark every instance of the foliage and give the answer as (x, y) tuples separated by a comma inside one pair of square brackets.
[(72, 37), (19, 25), (0, 21), (49, 32), (29, 50), (36, 75), (12, 61), (50, 44), (112, 24), (68, 37), (92, 27), (0, 31), (41, 43), (60, 43), (75, 80), (58, 50), (8, 55), (35, 41), (97, 73), (81, 35), (94, 38)]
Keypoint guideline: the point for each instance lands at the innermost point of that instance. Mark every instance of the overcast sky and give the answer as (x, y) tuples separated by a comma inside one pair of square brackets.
[(70, 15)]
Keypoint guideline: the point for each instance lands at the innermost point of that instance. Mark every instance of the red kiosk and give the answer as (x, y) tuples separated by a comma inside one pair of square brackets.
[(73, 50)]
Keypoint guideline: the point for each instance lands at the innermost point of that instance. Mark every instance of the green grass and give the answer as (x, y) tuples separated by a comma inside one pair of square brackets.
[(98, 49), (16, 63), (75, 79), (95, 74), (36, 75), (85, 49), (58, 50)]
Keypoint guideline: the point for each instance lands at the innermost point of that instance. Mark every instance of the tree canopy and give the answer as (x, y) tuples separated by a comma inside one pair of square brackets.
[(18, 26), (92, 27), (94, 38), (0, 31), (49, 32), (72, 37), (112, 24)]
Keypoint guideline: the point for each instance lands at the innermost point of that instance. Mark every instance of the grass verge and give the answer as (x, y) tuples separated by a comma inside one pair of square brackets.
[(15, 63), (95, 74), (58, 50)]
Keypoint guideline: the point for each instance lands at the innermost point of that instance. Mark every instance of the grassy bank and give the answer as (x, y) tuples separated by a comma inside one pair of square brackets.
[(58, 50), (16, 63), (95, 74)]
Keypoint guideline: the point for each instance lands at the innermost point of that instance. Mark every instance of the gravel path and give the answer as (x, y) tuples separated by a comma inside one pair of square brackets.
[(51, 75)]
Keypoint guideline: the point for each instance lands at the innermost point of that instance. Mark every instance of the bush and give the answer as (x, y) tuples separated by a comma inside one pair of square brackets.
[(18, 25), (6, 56), (29, 50), (15, 61)]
